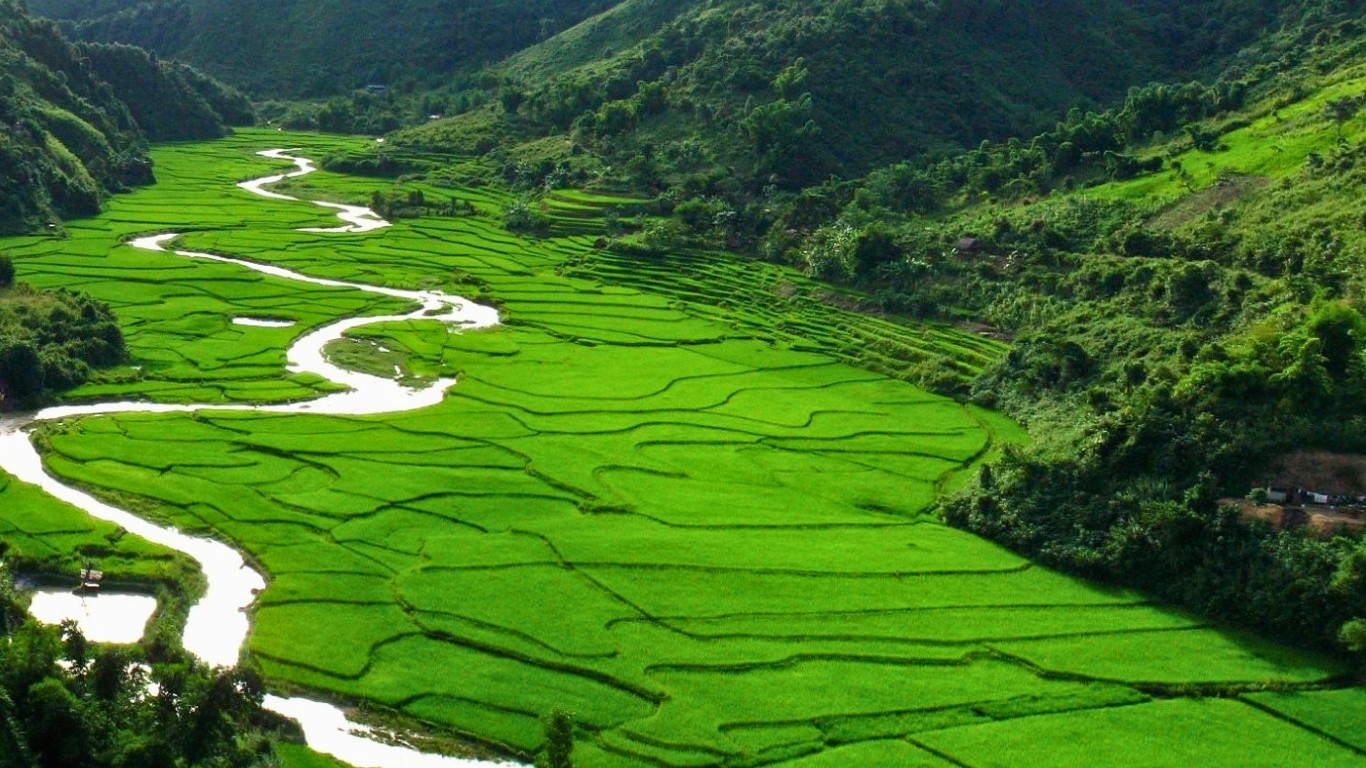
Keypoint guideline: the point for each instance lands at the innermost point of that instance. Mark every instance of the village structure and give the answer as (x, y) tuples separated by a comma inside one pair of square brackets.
[(91, 577), (1322, 492)]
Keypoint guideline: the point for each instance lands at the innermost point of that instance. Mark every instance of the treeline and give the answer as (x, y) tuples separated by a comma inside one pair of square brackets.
[(50, 340), (367, 112), (70, 137), (65, 702)]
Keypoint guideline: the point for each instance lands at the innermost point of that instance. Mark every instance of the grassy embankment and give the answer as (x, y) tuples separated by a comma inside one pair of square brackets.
[(657, 498)]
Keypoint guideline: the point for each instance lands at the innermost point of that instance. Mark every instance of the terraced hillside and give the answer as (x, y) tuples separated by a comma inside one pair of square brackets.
[(659, 498)]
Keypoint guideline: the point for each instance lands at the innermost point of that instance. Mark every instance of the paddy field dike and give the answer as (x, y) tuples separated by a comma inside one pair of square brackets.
[(678, 497)]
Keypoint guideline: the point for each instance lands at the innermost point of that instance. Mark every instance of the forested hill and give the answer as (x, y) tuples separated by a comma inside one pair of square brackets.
[(74, 121), (846, 86), (790, 93), (886, 79), (294, 48)]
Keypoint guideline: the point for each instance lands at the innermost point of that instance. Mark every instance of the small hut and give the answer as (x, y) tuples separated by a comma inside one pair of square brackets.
[(91, 577)]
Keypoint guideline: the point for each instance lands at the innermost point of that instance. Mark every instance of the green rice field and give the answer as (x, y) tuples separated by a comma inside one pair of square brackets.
[(679, 497)]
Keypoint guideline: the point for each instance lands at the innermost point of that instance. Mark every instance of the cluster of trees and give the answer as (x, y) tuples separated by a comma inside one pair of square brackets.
[(50, 340), (362, 112), (65, 702), (1127, 488)]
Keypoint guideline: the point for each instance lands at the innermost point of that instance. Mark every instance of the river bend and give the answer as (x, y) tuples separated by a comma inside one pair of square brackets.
[(217, 627)]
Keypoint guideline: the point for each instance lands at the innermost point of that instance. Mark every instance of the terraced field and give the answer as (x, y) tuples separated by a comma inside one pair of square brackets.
[(660, 497)]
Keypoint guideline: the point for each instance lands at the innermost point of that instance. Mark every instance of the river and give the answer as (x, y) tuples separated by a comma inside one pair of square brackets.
[(217, 627)]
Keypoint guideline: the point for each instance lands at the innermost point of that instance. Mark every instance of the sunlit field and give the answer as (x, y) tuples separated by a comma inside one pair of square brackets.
[(679, 497)]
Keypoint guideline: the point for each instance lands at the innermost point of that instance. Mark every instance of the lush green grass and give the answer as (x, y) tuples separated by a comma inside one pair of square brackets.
[(54, 538), (659, 497), (1340, 714), (298, 756), (1213, 733), (1273, 145)]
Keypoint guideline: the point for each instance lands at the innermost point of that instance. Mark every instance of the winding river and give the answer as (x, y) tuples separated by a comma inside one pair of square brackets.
[(217, 626)]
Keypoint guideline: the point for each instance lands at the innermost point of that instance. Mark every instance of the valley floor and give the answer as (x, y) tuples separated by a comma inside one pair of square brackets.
[(679, 515)]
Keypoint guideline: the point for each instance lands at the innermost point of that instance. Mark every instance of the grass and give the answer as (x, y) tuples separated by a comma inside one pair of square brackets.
[(54, 539), (688, 499), (299, 756), (1338, 714), (1272, 146), (1212, 732)]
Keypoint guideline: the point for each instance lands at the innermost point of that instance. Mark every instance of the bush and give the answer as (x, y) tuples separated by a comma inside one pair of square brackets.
[(559, 739), (6, 271)]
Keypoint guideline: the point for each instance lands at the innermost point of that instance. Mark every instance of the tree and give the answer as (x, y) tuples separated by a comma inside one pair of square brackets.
[(559, 738), (1341, 110), (511, 97), (6, 271), (1352, 636), (21, 371)]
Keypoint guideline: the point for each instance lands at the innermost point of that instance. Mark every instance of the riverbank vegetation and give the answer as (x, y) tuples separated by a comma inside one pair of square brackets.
[(67, 702), (50, 340)]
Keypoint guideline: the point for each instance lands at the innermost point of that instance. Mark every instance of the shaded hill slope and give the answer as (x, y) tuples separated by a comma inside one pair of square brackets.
[(67, 136), (295, 49), (792, 92)]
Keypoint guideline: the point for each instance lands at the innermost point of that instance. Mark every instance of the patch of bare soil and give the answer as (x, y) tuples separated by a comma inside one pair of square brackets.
[(849, 303), (1217, 195), (1336, 474)]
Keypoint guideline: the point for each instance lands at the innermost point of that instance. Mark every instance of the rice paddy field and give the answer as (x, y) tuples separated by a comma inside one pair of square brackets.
[(679, 497)]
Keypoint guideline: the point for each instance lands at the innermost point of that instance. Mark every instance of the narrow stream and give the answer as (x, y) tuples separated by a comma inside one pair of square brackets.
[(217, 627)]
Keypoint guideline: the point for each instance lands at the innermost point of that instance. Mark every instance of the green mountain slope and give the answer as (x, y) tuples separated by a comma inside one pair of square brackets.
[(1181, 281), (789, 93), (169, 100), (318, 48), (67, 137)]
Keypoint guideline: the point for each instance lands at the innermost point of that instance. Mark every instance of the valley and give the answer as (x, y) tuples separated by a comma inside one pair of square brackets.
[(672, 496)]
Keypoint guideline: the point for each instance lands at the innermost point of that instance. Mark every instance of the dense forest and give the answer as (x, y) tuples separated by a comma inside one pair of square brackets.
[(703, 84), (309, 49), (70, 137)]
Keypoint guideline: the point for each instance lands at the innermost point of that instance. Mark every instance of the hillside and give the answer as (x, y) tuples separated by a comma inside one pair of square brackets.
[(305, 49), (1180, 281), (734, 93), (697, 86), (71, 137)]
